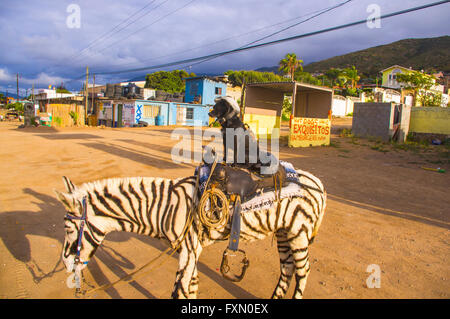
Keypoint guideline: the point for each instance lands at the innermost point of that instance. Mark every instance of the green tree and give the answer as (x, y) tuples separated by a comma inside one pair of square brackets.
[(419, 83), (306, 77), (342, 80), (290, 64), (169, 81), (286, 109), (62, 89), (236, 78), (333, 74), (352, 75)]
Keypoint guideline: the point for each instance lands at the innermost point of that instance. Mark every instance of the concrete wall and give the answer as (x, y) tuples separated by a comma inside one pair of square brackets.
[(373, 120), (434, 120), (405, 114)]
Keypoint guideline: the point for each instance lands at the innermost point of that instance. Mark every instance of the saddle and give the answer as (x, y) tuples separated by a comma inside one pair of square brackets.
[(245, 182)]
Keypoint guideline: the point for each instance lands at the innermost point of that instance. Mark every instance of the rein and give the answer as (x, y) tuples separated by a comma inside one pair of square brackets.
[(83, 219)]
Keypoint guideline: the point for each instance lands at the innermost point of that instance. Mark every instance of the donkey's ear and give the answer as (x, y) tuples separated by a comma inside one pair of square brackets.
[(70, 187), (66, 199)]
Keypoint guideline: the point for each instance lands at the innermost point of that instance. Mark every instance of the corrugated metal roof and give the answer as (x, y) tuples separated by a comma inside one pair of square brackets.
[(288, 86)]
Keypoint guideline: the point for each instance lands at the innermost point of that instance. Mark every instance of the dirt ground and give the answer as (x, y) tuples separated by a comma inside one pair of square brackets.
[(383, 209)]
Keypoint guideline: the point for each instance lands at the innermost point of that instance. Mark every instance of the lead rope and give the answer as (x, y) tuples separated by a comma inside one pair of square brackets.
[(278, 198)]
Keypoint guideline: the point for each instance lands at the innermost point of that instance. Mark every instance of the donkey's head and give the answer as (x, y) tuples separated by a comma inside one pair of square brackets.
[(81, 238)]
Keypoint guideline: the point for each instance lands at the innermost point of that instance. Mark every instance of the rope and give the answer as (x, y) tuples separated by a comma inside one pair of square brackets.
[(212, 195), (206, 217)]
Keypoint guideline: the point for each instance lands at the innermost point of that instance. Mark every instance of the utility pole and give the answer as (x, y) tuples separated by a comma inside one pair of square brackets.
[(86, 94), (93, 91), (17, 80), (32, 92)]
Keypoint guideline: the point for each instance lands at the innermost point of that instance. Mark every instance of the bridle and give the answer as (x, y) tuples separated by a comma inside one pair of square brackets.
[(83, 219)]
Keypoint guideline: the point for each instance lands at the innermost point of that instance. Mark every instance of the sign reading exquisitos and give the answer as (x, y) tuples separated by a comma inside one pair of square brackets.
[(306, 132)]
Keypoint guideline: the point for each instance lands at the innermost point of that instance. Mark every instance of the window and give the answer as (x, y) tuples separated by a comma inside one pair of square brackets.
[(151, 111), (193, 90), (218, 91), (189, 113)]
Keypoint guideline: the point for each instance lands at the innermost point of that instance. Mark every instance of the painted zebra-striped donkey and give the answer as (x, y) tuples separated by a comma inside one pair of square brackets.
[(159, 208)]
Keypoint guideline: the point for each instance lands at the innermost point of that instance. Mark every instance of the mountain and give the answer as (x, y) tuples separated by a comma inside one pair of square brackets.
[(420, 54), (10, 94)]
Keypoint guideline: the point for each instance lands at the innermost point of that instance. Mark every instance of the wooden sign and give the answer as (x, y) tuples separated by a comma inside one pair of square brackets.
[(306, 132)]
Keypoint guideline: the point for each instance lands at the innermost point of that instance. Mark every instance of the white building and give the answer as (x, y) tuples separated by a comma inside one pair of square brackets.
[(44, 94)]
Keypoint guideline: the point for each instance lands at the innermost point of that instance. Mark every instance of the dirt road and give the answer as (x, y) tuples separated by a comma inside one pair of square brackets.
[(383, 209)]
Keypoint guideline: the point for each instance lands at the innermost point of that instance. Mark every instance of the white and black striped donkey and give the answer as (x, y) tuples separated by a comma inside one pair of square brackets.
[(159, 207)]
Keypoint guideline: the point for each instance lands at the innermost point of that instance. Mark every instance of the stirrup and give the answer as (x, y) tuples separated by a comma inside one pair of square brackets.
[(225, 268)]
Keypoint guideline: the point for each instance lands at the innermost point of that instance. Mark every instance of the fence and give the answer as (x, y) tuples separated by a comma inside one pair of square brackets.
[(61, 114), (343, 106)]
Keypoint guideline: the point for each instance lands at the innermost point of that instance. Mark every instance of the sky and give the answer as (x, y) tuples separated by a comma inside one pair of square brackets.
[(49, 42)]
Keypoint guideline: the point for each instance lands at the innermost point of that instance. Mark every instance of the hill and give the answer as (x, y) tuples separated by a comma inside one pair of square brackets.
[(10, 94), (420, 54)]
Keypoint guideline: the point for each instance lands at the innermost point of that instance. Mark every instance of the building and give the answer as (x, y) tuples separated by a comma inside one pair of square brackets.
[(204, 89), (140, 84), (129, 113), (389, 79), (44, 94), (310, 116), (390, 82)]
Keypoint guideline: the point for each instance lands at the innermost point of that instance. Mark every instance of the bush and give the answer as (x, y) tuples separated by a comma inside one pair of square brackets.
[(57, 120), (74, 117), (16, 106), (286, 110)]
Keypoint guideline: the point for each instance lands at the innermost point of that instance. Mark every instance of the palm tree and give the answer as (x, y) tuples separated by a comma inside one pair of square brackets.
[(352, 75), (333, 75), (290, 64)]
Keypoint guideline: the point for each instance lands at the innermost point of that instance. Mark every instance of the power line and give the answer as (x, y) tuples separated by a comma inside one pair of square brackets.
[(233, 37), (298, 23), (145, 27), (296, 37), (103, 37), (284, 29)]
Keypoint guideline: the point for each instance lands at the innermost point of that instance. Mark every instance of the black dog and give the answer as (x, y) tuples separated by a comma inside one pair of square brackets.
[(238, 137)]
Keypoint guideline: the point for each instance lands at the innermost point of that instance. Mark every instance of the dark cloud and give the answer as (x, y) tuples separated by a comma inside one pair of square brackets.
[(38, 44)]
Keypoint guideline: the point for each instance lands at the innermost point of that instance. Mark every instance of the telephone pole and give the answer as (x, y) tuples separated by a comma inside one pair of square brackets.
[(93, 93), (17, 80), (86, 94)]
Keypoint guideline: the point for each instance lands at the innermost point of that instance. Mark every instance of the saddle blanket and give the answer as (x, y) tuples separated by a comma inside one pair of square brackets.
[(268, 199)]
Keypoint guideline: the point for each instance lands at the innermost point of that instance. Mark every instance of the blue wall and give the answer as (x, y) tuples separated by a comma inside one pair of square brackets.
[(168, 113), (204, 87), (163, 113)]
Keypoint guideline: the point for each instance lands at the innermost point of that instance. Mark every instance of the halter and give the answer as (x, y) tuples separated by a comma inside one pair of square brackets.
[(83, 219)]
